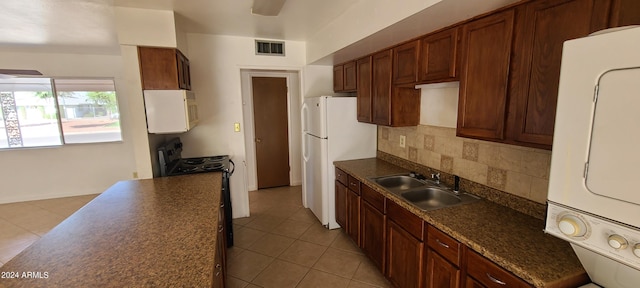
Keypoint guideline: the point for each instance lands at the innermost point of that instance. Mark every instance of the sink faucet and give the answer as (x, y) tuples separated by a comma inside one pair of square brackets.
[(456, 184), (436, 177)]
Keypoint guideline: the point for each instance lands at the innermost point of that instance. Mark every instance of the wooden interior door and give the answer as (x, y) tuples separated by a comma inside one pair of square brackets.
[(271, 131)]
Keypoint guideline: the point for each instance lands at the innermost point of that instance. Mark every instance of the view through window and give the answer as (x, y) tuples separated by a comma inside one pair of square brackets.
[(82, 111)]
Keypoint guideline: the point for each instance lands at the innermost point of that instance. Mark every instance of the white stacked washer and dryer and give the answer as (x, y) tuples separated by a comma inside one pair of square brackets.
[(594, 192)]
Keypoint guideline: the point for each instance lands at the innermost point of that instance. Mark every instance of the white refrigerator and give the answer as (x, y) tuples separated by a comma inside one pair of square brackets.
[(330, 132)]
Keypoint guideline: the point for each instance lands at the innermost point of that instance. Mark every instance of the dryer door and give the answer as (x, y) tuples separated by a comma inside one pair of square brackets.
[(612, 169)]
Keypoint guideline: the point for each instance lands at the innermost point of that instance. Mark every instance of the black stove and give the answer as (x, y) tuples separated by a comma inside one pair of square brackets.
[(172, 164)]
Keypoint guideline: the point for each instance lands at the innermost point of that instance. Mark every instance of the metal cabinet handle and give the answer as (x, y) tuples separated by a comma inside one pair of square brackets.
[(220, 228), (494, 280), (442, 244)]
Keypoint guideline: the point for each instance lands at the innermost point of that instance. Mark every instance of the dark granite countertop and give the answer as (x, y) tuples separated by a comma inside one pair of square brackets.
[(511, 239), (141, 233)]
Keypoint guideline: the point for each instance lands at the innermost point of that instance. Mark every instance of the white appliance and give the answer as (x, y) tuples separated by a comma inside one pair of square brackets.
[(331, 132), (594, 196), (170, 111)]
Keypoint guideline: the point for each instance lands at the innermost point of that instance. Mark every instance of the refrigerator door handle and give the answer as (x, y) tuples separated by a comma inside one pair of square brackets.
[(305, 148), (305, 117)]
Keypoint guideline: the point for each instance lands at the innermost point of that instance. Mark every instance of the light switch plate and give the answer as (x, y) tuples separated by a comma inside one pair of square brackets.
[(236, 127)]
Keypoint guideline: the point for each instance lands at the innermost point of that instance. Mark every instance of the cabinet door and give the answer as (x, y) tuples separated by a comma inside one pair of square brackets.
[(372, 235), (441, 273), (364, 89), (381, 92), (624, 12), (338, 78), (341, 205), (404, 257), (405, 106), (540, 34), (405, 63), (350, 76), (159, 68), (486, 50), (438, 57), (471, 283), (353, 216), (219, 271)]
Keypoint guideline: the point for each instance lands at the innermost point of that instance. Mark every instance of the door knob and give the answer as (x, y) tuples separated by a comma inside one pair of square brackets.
[(258, 140)]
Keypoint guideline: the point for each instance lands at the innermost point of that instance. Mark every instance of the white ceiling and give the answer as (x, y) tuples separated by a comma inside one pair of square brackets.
[(298, 19), (87, 26)]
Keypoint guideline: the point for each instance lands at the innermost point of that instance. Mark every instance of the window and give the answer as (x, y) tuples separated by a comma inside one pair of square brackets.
[(82, 111)]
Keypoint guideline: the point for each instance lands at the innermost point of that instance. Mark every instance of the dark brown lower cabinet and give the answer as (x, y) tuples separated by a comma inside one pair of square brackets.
[(470, 283), (353, 216), (372, 236), (219, 270), (441, 273), (341, 205), (404, 257), (487, 274)]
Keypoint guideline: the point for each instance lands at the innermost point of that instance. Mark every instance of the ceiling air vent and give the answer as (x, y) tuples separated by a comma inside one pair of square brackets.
[(273, 48)]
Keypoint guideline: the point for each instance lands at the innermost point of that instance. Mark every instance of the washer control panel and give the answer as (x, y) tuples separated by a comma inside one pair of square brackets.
[(611, 239)]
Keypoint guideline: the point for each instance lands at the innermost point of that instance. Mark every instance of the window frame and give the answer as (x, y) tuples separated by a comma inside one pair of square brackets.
[(56, 103)]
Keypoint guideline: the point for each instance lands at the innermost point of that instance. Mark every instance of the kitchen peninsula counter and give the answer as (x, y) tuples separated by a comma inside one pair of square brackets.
[(141, 233), (512, 239)]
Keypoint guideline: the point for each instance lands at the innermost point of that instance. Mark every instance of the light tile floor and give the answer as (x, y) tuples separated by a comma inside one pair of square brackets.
[(23, 223), (283, 245)]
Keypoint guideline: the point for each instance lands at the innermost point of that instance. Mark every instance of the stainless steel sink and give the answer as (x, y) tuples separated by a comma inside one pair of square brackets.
[(399, 182), (423, 194), (434, 198), (431, 197)]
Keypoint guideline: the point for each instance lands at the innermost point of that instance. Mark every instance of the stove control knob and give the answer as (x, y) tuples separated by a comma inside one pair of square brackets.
[(617, 242), (572, 226), (636, 250)]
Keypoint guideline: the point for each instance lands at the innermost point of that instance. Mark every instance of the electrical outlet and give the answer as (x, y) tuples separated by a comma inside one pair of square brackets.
[(403, 140), (236, 127)]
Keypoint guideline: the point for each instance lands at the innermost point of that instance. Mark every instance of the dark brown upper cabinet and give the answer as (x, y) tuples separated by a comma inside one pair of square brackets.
[(345, 77), (391, 105), (164, 69), (381, 87), (485, 55), (338, 78), (438, 56), (364, 100), (405, 63), (624, 12), (542, 27)]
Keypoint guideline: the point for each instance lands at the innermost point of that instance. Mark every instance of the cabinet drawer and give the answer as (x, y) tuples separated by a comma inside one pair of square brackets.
[(374, 198), (405, 219), (341, 177), (354, 184), (490, 274), (446, 246)]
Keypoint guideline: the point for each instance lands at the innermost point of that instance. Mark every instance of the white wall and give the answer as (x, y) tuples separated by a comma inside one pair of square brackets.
[(216, 62), (359, 21), (145, 27), (439, 104), (40, 173), (317, 80)]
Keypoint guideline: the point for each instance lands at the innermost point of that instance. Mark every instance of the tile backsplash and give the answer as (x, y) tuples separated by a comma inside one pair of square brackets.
[(520, 171)]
